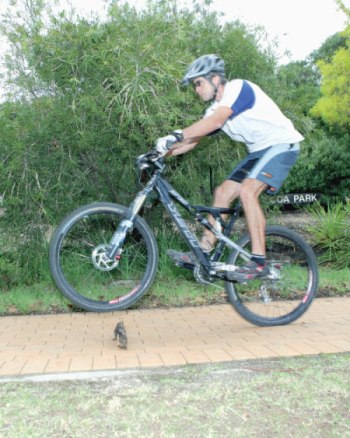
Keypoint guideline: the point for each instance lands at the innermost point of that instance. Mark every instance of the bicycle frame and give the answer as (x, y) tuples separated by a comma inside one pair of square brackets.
[(167, 194)]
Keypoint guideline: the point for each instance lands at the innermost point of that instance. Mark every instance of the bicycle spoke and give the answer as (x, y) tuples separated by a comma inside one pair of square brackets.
[(84, 272), (283, 299)]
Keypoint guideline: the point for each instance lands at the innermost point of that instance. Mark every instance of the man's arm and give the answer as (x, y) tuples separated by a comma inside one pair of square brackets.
[(195, 132)]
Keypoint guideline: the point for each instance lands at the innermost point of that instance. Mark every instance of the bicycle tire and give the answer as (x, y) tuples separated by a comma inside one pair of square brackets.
[(72, 259), (266, 302)]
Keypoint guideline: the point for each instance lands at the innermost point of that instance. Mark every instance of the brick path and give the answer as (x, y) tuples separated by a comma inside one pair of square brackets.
[(80, 342)]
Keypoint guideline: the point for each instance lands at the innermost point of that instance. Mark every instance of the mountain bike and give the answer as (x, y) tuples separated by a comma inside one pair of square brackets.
[(104, 256)]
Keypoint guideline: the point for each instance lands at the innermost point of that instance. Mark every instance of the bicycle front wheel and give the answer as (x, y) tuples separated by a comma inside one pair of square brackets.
[(81, 270), (278, 301)]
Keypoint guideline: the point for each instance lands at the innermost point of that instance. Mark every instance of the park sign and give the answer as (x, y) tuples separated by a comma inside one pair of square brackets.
[(296, 198)]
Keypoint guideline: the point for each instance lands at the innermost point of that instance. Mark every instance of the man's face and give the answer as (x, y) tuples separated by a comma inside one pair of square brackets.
[(204, 88)]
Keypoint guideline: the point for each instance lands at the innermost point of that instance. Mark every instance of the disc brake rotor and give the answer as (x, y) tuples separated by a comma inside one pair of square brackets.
[(101, 260)]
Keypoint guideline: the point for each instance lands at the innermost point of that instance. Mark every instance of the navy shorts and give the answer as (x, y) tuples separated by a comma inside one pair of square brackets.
[(270, 165)]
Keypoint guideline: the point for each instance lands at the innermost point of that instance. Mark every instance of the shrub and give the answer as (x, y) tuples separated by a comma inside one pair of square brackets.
[(332, 234)]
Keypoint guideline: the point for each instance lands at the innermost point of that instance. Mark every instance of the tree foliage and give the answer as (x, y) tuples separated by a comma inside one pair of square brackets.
[(300, 81), (327, 50), (333, 106)]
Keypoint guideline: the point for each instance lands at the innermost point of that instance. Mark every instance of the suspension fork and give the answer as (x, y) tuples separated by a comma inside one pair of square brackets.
[(127, 224)]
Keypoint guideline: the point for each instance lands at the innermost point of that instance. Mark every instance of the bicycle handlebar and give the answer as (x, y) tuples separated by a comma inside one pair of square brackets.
[(151, 158)]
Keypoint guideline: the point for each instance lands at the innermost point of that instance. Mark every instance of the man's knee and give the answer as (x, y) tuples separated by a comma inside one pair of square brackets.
[(251, 189), (247, 194), (226, 192)]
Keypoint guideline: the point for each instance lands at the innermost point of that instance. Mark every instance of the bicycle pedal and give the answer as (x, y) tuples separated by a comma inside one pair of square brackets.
[(185, 265)]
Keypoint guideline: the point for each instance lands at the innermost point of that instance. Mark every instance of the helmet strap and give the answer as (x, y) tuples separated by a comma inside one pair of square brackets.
[(215, 87)]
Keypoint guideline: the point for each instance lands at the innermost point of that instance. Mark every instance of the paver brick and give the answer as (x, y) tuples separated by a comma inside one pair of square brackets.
[(128, 362), (150, 360), (58, 365), (239, 353), (81, 363), (260, 351), (104, 363), (195, 356), (304, 347), (218, 355), (283, 350), (173, 359), (35, 366), (12, 368)]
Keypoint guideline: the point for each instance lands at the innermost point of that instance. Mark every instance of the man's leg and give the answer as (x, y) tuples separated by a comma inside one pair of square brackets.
[(224, 195), (249, 194)]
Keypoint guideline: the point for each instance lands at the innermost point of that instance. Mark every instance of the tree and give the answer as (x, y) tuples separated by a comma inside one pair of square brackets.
[(328, 48), (299, 81), (333, 106)]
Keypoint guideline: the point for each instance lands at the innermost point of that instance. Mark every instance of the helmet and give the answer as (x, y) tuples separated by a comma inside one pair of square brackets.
[(203, 66)]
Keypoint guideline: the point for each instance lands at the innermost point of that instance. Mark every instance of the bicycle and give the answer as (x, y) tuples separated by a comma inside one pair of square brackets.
[(104, 256)]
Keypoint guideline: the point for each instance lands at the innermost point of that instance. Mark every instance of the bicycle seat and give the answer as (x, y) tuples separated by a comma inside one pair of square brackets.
[(215, 211)]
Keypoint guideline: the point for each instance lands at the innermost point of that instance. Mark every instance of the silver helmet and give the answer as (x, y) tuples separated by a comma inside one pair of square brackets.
[(203, 66)]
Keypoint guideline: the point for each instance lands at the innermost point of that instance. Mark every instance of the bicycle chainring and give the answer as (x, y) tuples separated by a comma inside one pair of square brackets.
[(200, 276)]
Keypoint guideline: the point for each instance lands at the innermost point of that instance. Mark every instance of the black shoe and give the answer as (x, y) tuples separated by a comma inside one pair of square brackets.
[(250, 271)]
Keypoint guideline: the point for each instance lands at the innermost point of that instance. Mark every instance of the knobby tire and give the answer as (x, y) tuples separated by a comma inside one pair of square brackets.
[(71, 259), (277, 302)]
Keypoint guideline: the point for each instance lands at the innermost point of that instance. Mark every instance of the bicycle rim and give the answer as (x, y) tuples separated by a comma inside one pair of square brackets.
[(76, 260), (267, 302)]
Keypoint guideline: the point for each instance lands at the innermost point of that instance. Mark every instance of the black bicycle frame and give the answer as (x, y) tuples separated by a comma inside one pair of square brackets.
[(167, 193)]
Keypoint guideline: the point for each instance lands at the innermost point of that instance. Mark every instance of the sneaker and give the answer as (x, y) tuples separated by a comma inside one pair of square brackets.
[(250, 271), (182, 257)]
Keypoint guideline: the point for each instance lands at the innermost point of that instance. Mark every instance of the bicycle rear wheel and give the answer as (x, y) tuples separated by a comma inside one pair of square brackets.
[(83, 273), (266, 302)]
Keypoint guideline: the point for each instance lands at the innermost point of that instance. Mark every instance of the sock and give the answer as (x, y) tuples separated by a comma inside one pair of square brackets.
[(259, 259)]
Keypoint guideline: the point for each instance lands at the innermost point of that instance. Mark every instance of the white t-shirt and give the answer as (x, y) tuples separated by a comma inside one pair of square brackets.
[(256, 120)]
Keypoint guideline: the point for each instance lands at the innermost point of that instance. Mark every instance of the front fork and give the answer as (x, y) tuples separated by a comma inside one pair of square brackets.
[(126, 225)]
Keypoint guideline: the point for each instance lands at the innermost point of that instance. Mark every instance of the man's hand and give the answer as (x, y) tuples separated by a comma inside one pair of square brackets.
[(164, 144)]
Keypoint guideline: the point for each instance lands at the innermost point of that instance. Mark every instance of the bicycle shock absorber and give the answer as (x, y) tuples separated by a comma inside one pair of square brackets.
[(217, 231), (126, 225), (119, 237), (218, 226)]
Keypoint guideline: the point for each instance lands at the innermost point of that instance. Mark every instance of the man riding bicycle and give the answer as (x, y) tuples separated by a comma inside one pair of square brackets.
[(246, 114)]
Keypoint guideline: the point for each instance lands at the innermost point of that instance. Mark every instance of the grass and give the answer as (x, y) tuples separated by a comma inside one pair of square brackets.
[(296, 397), (334, 282), (38, 298), (177, 288)]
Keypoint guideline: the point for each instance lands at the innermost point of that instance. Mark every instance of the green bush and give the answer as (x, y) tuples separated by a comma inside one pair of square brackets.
[(331, 234), (323, 167)]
